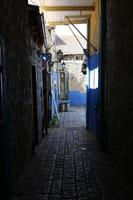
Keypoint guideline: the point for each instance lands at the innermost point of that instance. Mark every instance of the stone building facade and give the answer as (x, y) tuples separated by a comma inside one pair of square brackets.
[(77, 82), (73, 58)]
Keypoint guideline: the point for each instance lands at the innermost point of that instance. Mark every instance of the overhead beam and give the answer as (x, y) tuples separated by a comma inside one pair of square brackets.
[(78, 16), (55, 23), (67, 8)]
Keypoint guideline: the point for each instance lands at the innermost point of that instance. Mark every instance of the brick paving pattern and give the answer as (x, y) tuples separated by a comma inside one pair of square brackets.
[(69, 165)]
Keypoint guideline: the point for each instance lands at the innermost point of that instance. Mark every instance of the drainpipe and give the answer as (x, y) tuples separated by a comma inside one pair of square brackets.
[(103, 25)]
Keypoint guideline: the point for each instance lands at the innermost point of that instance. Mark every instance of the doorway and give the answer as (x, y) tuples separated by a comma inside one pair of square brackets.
[(34, 106), (96, 94)]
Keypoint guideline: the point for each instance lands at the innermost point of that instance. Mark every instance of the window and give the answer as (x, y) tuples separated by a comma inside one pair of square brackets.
[(94, 78)]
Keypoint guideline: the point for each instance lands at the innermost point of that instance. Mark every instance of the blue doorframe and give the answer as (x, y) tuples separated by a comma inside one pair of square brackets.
[(93, 94)]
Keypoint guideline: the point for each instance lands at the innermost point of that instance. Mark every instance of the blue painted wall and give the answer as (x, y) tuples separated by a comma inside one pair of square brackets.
[(77, 98), (93, 95), (54, 88)]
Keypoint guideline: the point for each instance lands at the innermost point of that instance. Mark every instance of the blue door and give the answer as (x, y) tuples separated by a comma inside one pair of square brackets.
[(93, 94)]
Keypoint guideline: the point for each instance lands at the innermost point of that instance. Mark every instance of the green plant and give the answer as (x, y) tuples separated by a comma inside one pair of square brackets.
[(54, 121)]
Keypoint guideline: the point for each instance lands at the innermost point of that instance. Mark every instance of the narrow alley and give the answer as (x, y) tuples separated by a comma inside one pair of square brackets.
[(66, 100), (69, 165)]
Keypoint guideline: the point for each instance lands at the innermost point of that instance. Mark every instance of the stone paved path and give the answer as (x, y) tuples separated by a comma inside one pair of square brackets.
[(69, 165)]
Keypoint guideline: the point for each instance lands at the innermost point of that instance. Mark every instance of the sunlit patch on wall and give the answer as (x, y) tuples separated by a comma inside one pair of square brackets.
[(94, 78)]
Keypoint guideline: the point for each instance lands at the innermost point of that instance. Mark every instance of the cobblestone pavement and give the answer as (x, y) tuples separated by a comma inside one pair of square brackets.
[(69, 165)]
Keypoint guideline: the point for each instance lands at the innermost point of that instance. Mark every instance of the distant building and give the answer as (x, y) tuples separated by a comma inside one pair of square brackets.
[(73, 58)]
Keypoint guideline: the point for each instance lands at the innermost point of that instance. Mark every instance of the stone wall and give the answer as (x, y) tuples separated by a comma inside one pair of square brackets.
[(119, 113), (36, 61), (17, 81), (40, 101), (77, 81)]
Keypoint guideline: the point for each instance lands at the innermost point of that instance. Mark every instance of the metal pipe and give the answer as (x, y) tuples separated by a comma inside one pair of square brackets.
[(81, 34), (75, 36), (50, 46)]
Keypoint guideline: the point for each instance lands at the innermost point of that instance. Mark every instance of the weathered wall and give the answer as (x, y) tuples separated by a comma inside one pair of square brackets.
[(17, 78), (77, 82), (54, 74), (120, 83), (40, 100), (36, 61)]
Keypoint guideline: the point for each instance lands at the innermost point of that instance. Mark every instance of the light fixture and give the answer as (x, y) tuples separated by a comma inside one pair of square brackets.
[(59, 55), (86, 53), (63, 64), (84, 66), (47, 57)]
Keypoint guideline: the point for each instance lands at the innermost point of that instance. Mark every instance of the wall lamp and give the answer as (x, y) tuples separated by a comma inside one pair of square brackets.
[(63, 64)]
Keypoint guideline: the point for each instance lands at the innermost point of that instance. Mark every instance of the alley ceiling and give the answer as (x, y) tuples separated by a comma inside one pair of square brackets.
[(56, 11)]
